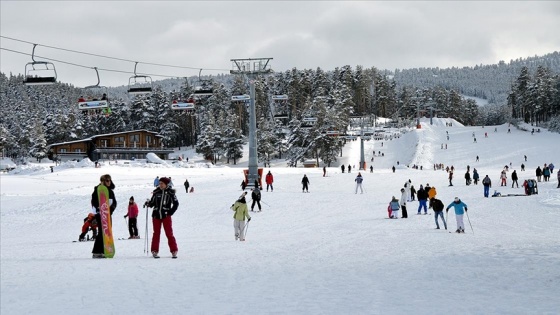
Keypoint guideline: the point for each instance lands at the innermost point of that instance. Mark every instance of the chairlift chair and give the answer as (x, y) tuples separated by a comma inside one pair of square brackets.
[(204, 88), (308, 122), (139, 84), (95, 97), (188, 105), (39, 76), (280, 106)]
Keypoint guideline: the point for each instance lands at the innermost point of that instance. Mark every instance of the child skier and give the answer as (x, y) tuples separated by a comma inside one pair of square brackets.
[(89, 223), (394, 205), (132, 215)]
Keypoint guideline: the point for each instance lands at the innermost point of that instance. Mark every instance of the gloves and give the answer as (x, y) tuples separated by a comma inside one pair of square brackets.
[(248, 219), (126, 215), (466, 209)]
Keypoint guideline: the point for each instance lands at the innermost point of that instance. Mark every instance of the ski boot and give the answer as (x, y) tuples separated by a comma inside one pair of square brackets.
[(155, 255)]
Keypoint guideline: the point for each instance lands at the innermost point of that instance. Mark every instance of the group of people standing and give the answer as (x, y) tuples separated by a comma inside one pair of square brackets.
[(164, 203)]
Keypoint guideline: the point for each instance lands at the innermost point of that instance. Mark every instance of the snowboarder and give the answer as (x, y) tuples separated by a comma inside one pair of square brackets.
[(305, 183), (394, 206), (438, 211), (132, 215), (269, 179), (165, 203), (460, 209), (187, 185), (402, 203), (514, 179), (487, 183), (240, 209), (256, 196), (98, 246), (359, 179)]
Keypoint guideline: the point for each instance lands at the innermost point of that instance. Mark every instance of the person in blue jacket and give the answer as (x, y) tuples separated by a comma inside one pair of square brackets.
[(460, 209)]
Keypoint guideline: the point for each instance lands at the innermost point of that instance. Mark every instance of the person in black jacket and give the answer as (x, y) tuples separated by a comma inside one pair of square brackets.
[(98, 250), (514, 179), (438, 206), (422, 199), (165, 203), (305, 183), (256, 196)]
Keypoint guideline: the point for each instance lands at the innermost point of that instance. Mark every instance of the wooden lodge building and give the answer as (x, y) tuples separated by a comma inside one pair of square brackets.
[(127, 145)]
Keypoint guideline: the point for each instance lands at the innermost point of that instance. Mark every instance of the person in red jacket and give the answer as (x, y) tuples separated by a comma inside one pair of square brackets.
[(132, 218), (269, 180)]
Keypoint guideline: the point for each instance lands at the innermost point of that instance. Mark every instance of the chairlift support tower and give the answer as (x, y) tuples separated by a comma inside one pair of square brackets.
[(252, 68)]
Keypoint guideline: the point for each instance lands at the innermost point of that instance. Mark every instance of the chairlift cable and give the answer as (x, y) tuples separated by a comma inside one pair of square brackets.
[(114, 58)]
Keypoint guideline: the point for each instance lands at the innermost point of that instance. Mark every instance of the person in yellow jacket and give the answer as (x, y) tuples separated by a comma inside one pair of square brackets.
[(241, 212), (432, 195)]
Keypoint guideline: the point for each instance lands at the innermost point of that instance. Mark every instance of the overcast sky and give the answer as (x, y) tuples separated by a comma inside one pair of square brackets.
[(387, 35)]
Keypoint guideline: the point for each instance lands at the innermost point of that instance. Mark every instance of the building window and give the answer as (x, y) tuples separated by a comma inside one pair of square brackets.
[(149, 139), (119, 139), (77, 150), (62, 150), (134, 138)]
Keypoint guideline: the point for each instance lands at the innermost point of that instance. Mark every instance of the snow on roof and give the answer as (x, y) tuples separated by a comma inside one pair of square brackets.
[(104, 135)]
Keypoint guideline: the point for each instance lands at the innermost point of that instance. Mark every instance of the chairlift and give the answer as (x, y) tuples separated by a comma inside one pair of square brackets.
[(204, 88), (139, 84), (308, 122), (280, 106), (95, 97), (44, 74), (186, 105), (240, 98)]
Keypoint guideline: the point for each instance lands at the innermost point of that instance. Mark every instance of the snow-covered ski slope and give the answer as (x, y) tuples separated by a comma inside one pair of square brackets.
[(327, 252)]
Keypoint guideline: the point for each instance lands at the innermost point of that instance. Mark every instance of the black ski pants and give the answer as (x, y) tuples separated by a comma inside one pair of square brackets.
[(258, 202), (132, 228)]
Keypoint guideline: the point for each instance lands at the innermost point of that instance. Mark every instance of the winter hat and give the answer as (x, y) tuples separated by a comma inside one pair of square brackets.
[(165, 180), (456, 199), (402, 189), (131, 198)]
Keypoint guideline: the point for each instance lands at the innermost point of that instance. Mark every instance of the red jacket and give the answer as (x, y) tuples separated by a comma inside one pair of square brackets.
[(269, 179), (132, 210)]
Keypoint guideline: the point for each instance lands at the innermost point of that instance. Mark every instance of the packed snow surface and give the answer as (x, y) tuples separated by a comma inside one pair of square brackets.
[(329, 251)]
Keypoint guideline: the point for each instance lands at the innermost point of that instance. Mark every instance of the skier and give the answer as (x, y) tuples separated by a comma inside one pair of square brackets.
[(359, 179), (477, 159), (170, 182), (438, 211), (269, 179), (467, 178), (402, 203), (487, 183), (342, 168), (522, 167), (394, 206), (256, 196), (371, 168), (240, 209), (349, 168), (422, 199), (551, 168), (460, 209), (450, 178), (431, 191), (243, 185), (407, 189), (412, 193), (503, 178), (90, 223), (514, 179), (165, 203), (132, 215), (187, 185), (98, 246), (305, 183), (156, 181), (475, 176), (393, 168), (324, 173)]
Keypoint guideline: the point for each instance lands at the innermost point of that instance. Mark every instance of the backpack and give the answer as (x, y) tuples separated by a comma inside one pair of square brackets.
[(486, 181), (530, 184)]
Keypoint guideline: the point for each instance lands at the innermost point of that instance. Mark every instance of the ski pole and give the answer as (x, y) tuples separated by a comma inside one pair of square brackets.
[(246, 229), (146, 234), (446, 216), (266, 204), (469, 221)]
